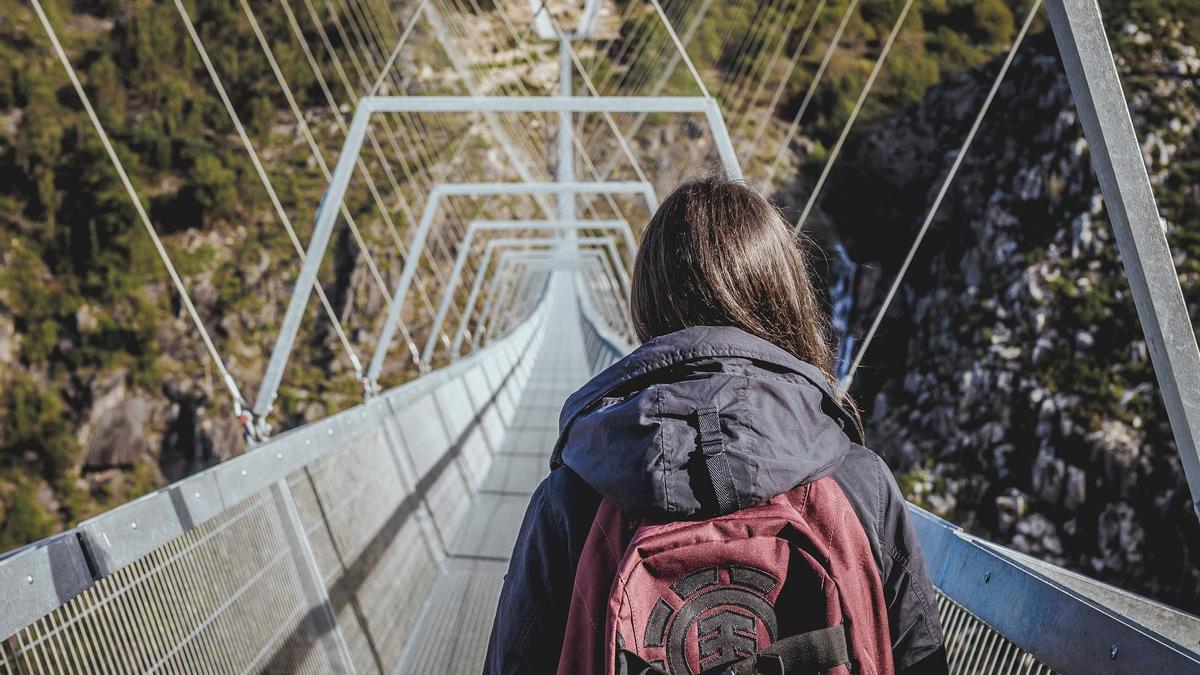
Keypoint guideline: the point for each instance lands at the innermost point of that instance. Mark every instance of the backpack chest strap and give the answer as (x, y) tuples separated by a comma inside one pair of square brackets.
[(812, 652)]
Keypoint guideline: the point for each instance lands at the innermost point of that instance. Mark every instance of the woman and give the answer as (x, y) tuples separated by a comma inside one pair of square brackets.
[(723, 303)]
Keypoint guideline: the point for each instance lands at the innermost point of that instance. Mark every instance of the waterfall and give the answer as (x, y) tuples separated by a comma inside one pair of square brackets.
[(841, 295)]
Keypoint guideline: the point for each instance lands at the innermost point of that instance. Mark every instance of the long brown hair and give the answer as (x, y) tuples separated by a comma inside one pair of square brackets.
[(717, 253)]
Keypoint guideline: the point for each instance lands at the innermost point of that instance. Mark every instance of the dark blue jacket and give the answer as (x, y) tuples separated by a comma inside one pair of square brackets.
[(628, 435)]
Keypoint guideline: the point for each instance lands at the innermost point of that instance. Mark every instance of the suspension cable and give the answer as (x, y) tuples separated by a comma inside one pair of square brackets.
[(937, 202), (390, 135), (808, 95), (765, 118), (687, 60), (745, 43), (776, 54), (262, 173), (614, 80), (238, 400), (575, 136), (452, 207), (761, 36), (340, 119), (858, 105), (693, 26)]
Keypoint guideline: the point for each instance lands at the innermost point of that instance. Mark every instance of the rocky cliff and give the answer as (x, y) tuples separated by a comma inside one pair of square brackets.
[(1010, 385)]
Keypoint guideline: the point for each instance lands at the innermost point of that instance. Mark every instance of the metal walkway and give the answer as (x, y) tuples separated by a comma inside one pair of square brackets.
[(453, 632)]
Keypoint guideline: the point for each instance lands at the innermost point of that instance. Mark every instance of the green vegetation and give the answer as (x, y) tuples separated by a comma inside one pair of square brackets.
[(79, 279)]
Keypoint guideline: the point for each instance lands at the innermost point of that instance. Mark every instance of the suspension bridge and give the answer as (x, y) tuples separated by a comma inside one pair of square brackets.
[(375, 539)]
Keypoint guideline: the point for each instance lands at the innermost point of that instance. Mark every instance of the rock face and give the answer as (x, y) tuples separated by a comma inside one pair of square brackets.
[(9, 340), (1010, 385), (115, 433)]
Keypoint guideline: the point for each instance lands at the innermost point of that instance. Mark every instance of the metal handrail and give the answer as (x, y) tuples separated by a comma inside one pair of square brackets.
[(602, 345), (1062, 628), (39, 577)]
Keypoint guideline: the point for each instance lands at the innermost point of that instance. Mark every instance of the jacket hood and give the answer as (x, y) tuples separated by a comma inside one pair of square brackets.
[(633, 431)]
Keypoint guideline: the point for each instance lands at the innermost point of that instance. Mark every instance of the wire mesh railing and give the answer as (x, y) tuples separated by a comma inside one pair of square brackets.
[(317, 541), (974, 648), (184, 608)]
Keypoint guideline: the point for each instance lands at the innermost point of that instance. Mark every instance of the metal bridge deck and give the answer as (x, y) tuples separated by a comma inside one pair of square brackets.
[(456, 621)]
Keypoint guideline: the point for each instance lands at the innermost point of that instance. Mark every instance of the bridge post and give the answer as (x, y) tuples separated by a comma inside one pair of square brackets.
[(1141, 239), (464, 249), (566, 151), (312, 585), (500, 294)]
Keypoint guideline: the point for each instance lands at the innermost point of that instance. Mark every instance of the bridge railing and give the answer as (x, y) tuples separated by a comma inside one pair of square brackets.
[(1006, 612), (294, 556), (602, 345)]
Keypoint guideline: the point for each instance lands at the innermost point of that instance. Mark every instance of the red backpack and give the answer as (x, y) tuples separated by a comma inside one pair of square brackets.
[(789, 586)]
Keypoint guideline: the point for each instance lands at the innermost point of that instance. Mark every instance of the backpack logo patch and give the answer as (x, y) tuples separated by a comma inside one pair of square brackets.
[(713, 617)]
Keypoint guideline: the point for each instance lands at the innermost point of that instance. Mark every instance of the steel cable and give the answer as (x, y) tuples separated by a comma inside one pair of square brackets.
[(858, 105), (769, 68), (764, 119), (808, 95), (941, 194), (218, 362), (262, 173)]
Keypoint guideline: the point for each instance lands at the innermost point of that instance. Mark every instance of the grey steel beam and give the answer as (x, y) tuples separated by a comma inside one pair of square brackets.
[(327, 213), (473, 297), (572, 104), (1129, 200), (1064, 629), (335, 195), (312, 584), (503, 270), (477, 226), (37, 579), (443, 190), (537, 104), (552, 265), (620, 226), (587, 22), (566, 151), (522, 259)]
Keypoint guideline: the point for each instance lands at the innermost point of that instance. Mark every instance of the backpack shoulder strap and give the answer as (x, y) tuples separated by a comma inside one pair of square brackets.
[(587, 622), (828, 514)]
